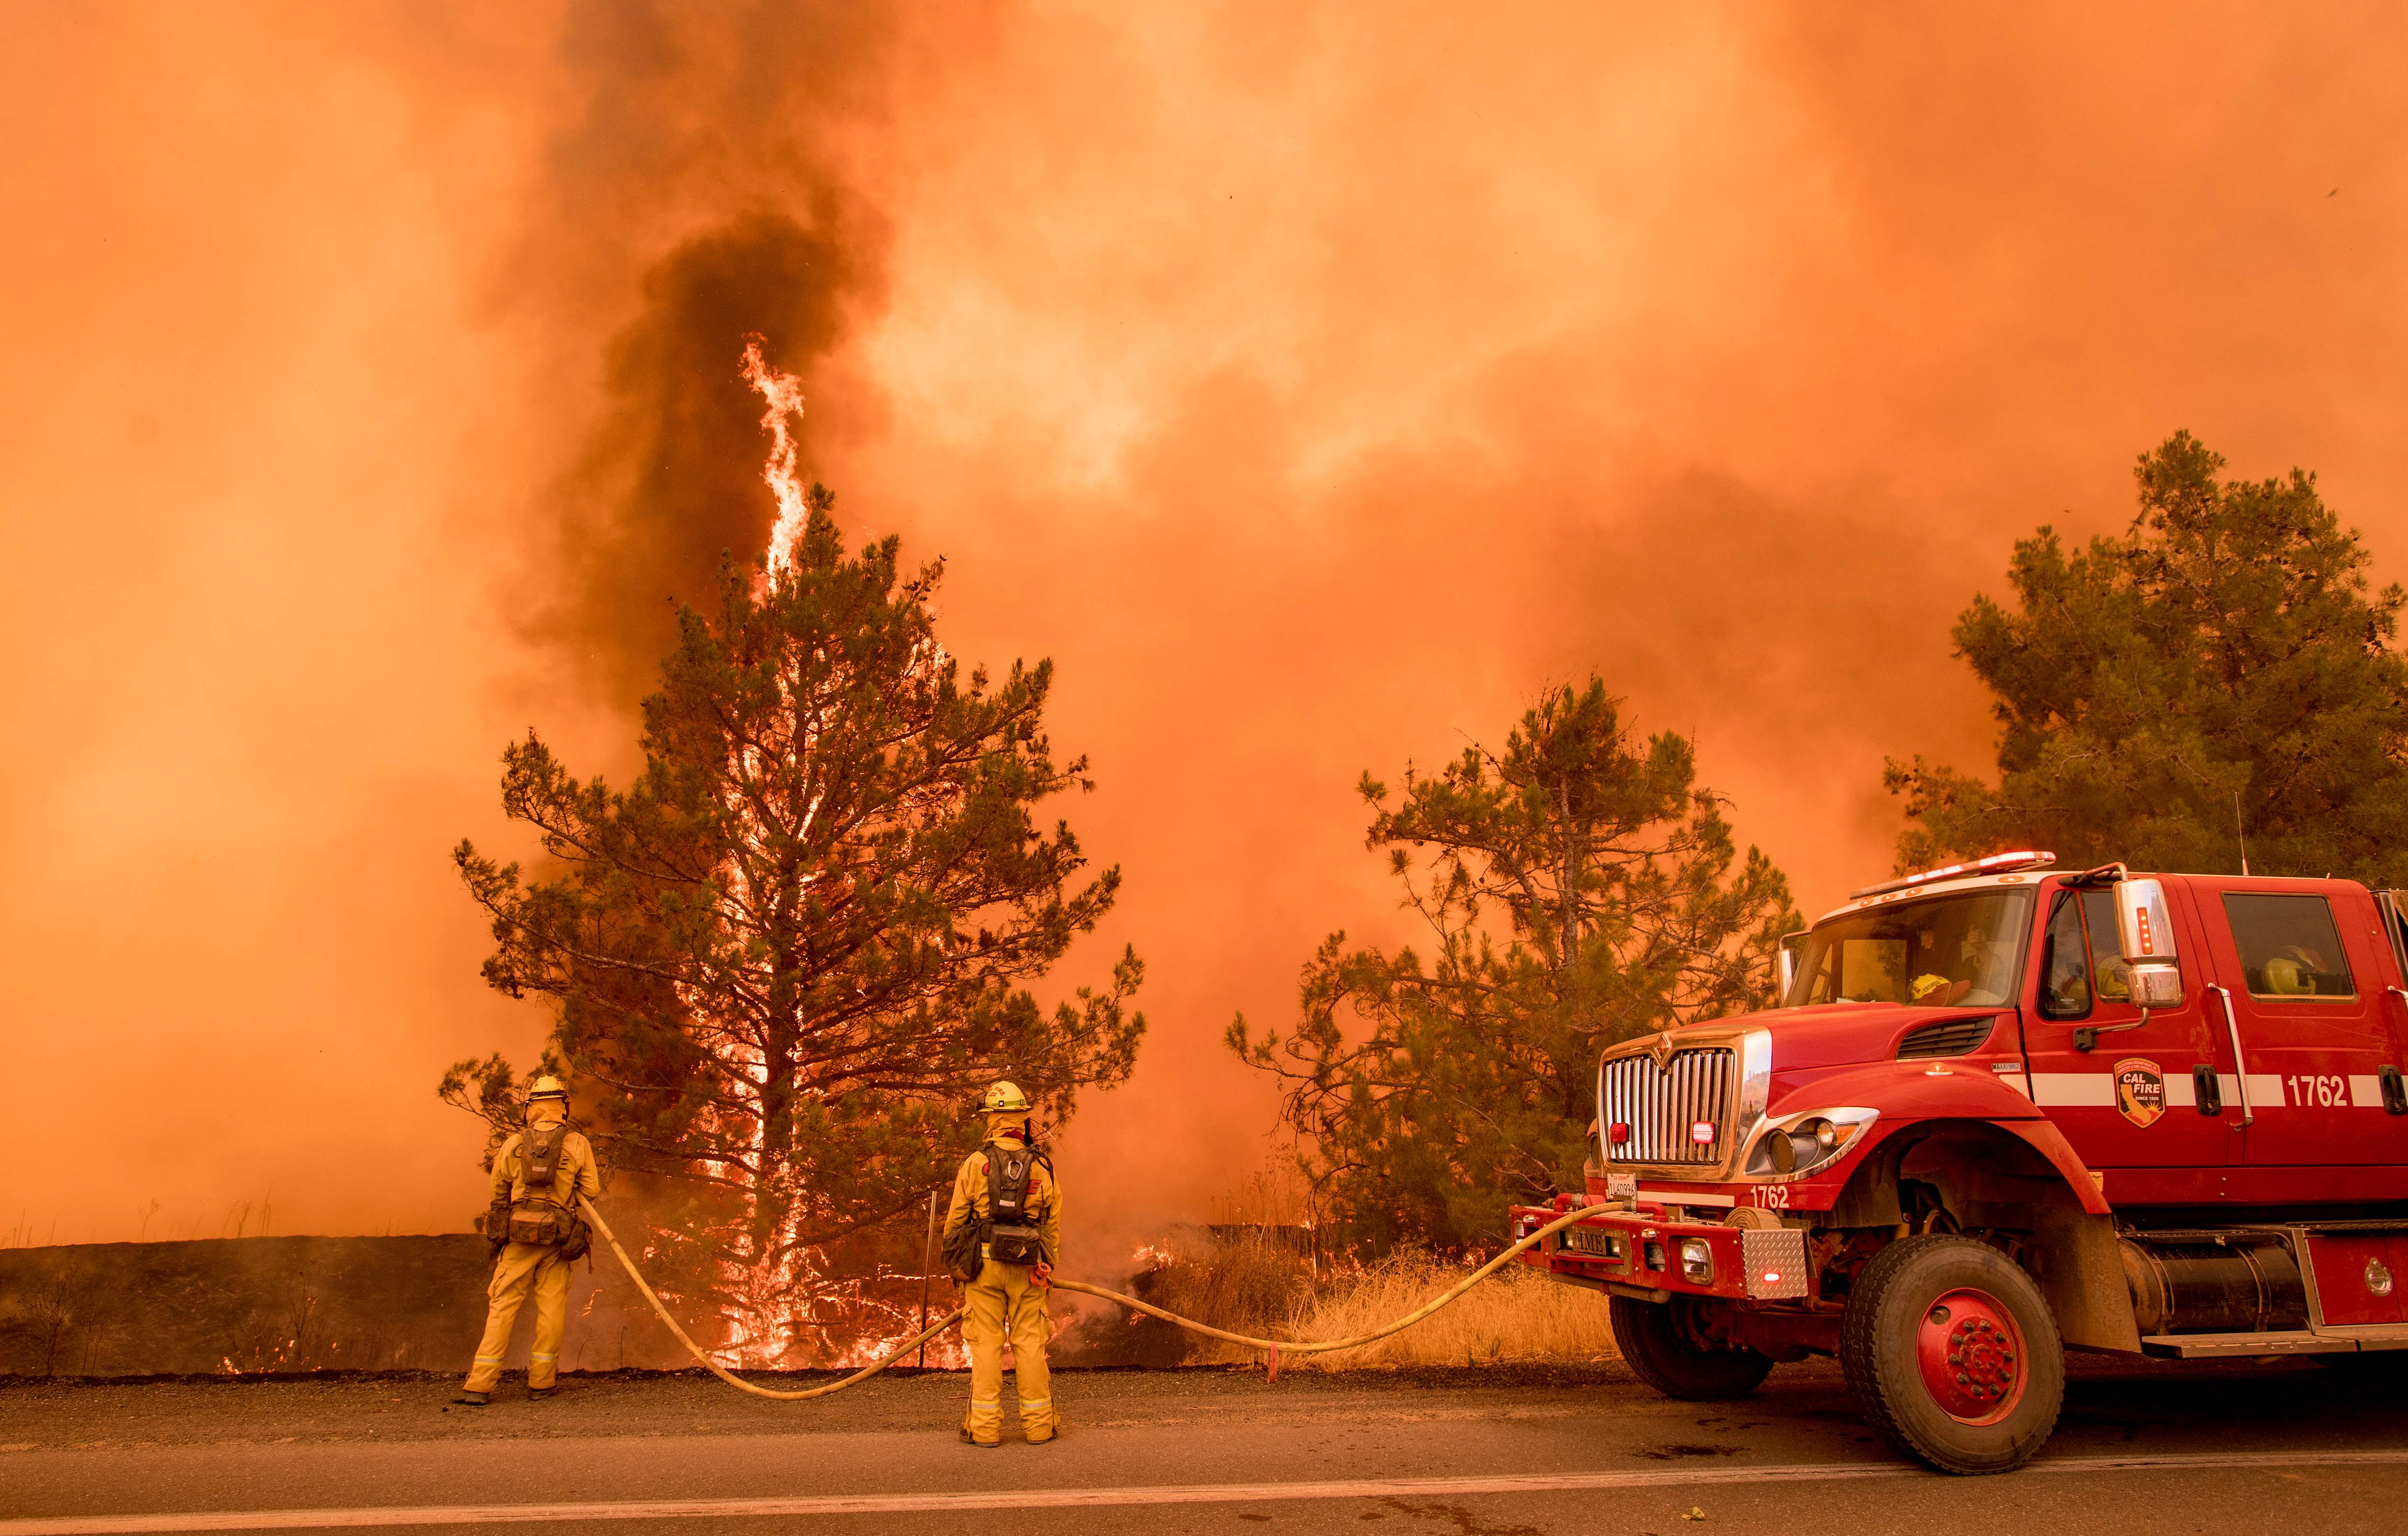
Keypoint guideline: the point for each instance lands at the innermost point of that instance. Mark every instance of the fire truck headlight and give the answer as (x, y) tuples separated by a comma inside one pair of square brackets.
[(1804, 1142), (1696, 1261)]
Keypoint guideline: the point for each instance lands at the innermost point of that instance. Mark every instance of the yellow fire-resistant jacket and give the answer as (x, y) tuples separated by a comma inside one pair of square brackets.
[(577, 1175), (1044, 1197)]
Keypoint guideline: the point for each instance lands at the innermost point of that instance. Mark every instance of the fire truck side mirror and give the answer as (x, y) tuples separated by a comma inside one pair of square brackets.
[(1793, 948), (2145, 931)]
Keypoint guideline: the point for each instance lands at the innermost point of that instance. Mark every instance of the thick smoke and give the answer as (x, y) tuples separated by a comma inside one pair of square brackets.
[(703, 192), (670, 482)]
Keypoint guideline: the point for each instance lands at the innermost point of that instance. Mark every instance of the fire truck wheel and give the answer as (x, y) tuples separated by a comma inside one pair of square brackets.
[(1951, 1355), (1666, 1357)]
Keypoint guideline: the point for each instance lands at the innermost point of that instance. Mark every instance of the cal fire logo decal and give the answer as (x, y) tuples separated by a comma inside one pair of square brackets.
[(2140, 1091)]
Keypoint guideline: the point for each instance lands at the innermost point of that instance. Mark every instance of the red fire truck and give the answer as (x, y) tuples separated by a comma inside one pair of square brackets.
[(2005, 1110)]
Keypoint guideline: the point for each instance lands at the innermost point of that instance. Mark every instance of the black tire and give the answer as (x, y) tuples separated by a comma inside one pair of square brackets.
[(1653, 1347), (1987, 1396)]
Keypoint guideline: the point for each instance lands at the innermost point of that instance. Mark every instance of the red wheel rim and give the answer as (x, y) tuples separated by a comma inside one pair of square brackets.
[(1972, 1356)]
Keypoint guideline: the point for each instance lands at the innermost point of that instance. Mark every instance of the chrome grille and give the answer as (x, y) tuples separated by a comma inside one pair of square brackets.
[(1661, 1104)]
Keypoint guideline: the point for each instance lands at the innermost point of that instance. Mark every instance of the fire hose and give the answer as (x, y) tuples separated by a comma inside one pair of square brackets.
[(1274, 1348)]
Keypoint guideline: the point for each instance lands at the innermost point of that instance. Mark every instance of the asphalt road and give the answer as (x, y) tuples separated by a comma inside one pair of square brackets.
[(1469, 1453)]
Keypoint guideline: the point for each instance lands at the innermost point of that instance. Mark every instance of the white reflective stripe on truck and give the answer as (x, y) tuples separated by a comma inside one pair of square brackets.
[(2097, 1090), (2075, 1089)]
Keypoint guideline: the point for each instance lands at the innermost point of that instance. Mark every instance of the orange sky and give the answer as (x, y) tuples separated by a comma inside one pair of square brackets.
[(1313, 384)]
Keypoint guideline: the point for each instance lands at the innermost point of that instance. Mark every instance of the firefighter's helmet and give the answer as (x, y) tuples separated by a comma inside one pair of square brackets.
[(1004, 1098), (548, 1086)]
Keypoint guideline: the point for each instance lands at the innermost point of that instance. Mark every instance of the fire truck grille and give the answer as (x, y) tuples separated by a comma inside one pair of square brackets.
[(1664, 1107)]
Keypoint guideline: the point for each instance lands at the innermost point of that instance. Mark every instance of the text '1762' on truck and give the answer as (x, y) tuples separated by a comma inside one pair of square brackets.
[(2007, 1110)]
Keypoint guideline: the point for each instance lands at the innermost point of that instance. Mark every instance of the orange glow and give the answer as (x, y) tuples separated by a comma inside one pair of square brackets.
[(1312, 384)]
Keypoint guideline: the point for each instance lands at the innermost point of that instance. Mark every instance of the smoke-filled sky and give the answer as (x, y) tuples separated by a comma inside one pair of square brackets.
[(1314, 384)]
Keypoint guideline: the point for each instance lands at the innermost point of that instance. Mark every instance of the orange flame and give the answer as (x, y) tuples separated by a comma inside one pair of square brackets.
[(785, 393)]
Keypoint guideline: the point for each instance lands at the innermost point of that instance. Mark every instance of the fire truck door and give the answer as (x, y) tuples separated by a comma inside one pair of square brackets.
[(2308, 973), (2127, 1091)]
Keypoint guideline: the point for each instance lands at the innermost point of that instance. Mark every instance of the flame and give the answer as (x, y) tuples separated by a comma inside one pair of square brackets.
[(780, 1297), (785, 393)]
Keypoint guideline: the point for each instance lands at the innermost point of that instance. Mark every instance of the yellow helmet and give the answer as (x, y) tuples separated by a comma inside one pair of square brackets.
[(548, 1086), (1004, 1098)]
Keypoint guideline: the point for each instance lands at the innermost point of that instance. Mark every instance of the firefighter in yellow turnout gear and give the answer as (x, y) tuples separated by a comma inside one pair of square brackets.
[(536, 1231), (1009, 1269)]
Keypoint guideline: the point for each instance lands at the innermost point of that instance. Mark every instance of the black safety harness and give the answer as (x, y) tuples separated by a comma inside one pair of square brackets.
[(1007, 1234), (539, 1220)]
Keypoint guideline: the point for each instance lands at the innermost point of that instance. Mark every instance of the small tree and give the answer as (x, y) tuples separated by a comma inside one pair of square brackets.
[(787, 958), (2220, 672), (1576, 893)]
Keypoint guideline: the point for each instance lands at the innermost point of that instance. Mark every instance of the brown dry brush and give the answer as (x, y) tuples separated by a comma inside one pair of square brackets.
[(1253, 1282)]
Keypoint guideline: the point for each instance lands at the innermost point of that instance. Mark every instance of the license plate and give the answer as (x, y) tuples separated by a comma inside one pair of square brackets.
[(1622, 1186), (1587, 1240)]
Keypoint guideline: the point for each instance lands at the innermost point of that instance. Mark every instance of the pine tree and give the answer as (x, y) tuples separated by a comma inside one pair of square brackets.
[(787, 958), (1576, 893), (2220, 676)]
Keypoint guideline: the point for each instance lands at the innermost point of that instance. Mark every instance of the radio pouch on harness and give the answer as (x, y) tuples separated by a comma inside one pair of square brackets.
[(963, 1245)]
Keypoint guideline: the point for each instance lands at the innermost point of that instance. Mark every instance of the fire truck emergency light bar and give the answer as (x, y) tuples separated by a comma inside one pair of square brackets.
[(1996, 863)]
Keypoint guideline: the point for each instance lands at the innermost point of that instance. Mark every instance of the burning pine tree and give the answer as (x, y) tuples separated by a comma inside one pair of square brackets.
[(790, 955)]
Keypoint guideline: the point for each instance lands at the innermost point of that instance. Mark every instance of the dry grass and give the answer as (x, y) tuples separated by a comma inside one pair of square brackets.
[(1517, 1316), (1245, 1285)]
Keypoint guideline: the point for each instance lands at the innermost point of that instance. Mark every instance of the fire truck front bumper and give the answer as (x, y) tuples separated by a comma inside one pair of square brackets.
[(1635, 1252)]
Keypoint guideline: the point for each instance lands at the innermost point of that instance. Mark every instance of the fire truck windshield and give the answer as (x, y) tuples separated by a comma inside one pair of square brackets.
[(1942, 950)]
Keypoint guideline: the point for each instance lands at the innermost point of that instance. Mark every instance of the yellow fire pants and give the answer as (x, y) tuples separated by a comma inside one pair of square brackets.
[(1003, 1305), (524, 1266)]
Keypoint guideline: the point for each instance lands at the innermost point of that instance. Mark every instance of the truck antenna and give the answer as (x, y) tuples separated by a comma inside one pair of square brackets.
[(2238, 836)]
